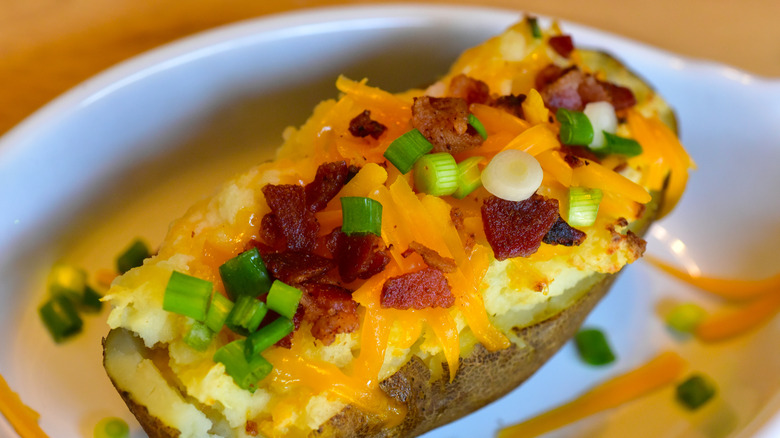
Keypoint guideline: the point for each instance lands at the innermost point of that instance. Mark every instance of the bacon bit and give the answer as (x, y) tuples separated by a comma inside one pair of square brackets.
[(358, 255), (445, 123), (456, 216), (513, 104), (419, 290), (579, 152), (516, 229), (295, 268), (562, 44), (574, 161), (330, 310), (330, 178), (251, 428), (271, 233), (363, 125), (561, 233), (431, 257), (573, 89), (292, 218), (469, 89)]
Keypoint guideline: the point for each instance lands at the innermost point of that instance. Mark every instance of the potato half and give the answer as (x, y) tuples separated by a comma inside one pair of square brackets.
[(174, 391)]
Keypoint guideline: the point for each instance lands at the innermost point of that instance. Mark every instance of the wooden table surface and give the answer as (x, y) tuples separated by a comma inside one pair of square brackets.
[(48, 46)]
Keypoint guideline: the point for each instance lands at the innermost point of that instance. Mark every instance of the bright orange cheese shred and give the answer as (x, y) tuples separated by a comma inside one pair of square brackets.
[(665, 369), (730, 323), (23, 419)]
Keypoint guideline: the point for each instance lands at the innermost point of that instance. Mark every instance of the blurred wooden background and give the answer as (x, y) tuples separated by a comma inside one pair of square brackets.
[(48, 46)]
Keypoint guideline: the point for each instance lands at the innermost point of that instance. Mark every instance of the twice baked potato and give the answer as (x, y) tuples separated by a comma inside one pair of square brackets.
[(463, 290)]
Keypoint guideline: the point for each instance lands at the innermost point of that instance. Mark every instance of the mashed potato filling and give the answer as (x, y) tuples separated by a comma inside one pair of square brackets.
[(493, 298)]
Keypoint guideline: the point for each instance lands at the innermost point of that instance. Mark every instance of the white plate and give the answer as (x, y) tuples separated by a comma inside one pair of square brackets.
[(122, 154)]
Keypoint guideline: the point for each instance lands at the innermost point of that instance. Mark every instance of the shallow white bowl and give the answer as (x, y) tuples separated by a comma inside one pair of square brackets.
[(122, 154)]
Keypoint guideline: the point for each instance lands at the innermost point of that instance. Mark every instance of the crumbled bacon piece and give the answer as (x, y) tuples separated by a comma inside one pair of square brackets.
[(562, 44), (292, 218), (561, 233), (251, 428), (573, 155), (572, 89), (271, 232), (294, 267), (363, 126), (445, 123), (418, 290), (330, 310), (431, 257), (513, 104), (330, 178), (516, 228), (469, 89), (358, 255), (456, 216)]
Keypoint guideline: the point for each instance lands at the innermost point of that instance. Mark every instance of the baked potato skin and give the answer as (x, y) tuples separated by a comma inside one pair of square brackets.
[(432, 404)]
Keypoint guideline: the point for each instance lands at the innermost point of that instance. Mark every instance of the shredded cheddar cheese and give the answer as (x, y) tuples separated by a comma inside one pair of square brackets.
[(23, 419)]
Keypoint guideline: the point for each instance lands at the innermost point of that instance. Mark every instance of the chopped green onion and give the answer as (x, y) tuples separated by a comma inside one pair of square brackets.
[(513, 175), (686, 317), (111, 427), (90, 301), (218, 312), (361, 215), (576, 129), (133, 256), (404, 151), (593, 347), (283, 299), (67, 280), (246, 315), (695, 391), (60, 317), (187, 295), (268, 335), (469, 177), (245, 274), (436, 174), (602, 119), (533, 23), (478, 126), (620, 145), (199, 336), (246, 372), (583, 206)]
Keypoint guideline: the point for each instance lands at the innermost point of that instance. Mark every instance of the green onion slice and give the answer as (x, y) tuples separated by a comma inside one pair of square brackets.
[(246, 372), (533, 23), (404, 151), (218, 312), (246, 315), (60, 317), (199, 336), (478, 126), (111, 427), (283, 299), (133, 256), (90, 300), (583, 206), (469, 177), (686, 317), (615, 144), (245, 274), (267, 336), (513, 175), (695, 391), (593, 347), (436, 174), (187, 295), (361, 215), (67, 280), (576, 129)]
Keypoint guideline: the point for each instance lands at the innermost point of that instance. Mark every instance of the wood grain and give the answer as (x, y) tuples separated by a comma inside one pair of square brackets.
[(49, 46)]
